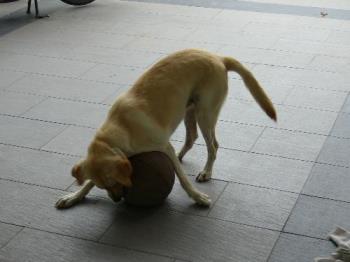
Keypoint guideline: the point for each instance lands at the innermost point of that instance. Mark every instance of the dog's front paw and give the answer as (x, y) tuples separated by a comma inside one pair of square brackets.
[(203, 177), (202, 199), (67, 201)]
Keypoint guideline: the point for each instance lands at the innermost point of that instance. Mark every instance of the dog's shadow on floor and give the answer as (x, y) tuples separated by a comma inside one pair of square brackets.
[(151, 229)]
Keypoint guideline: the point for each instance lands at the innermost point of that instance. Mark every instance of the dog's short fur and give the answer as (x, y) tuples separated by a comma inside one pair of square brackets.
[(189, 85)]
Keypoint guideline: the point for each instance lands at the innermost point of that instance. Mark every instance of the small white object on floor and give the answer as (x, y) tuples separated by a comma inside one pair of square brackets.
[(341, 238)]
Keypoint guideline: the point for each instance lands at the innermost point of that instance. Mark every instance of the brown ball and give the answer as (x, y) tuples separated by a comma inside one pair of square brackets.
[(152, 179)]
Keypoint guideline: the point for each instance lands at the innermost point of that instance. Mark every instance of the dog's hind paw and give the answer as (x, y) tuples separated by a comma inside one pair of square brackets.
[(203, 177)]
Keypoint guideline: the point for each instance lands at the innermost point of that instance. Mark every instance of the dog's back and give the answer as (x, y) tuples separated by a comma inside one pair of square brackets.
[(170, 85)]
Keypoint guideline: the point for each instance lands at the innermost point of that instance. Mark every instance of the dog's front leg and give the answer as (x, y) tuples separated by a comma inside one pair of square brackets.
[(199, 197), (73, 198)]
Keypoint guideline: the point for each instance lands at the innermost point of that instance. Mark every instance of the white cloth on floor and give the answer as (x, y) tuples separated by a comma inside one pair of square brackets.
[(341, 238)]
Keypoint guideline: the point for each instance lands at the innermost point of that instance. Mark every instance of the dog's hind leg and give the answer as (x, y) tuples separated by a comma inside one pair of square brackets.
[(73, 198), (207, 127), (191, 131), (207, 114), (199, 197)]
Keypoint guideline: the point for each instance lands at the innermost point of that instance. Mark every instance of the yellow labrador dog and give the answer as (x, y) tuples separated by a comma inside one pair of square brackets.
[(189, 85)]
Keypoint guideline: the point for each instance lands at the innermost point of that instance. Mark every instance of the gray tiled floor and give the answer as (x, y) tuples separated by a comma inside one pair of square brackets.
[(57, 87), (182, 235), (277, 188), (316, 217), (291, 248)]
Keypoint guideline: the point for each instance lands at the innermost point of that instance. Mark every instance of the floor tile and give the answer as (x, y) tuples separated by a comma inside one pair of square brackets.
[(271, 172), (312, 47), (17, 104), (73, 141), (291, 248), (52, 170), (33, 206), (84, 53), (329, 181), (215, 34), (69, 112), (7, 233), (229, 135), (289, 144), (305, 120), (33, 245), (25, 132), (316, 98), (287, 31), (272, 74), (306, 34), (178, 32), (67, 34), (241, 53), (282, 58), (119, 57), (302, 77), (68, 88), (346, 106), (309, 47), (180, 201), (338, 37), (317, 217), (288, 117), (331, 64), (254, 206), (43, 65), (244, 112), (178, 235), (335, 151), (109, 100), (264, 29), (325, 80), (10, 7), (248, 168), (167, 46), (111, 73), (9, 77), (276, 92), (341, 126), (238, 38), (39, 47)]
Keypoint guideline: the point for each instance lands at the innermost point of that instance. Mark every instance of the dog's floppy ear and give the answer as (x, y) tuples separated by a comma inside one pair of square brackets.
[(78, 174), (123, 172)]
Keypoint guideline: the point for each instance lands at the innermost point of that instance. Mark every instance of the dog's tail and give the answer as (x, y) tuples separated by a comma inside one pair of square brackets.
[(252, 84)]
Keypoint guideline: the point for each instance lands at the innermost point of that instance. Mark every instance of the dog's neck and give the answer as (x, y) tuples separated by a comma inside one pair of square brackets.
[(102, 146)]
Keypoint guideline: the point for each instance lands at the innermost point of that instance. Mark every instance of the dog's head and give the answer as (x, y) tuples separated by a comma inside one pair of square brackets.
[(107, 168)]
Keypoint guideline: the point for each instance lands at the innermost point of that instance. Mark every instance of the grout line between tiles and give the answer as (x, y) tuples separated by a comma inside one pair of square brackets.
[(200, 42), (40, 102), (52, 138), (306, 181), (220, 120), (256, 140), (175, 140), (17, 233), (32, 184), (85, 239), (217, 199)]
